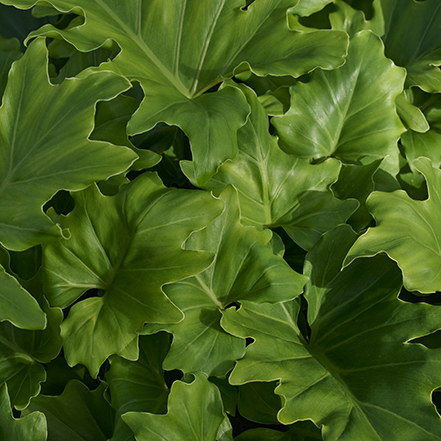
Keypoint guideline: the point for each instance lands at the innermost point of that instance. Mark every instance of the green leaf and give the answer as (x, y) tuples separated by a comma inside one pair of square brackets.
[(9, 52), (187, 418), (37, 162), (258, 402), (355, 117), (345, 18), (323, 263), (353, 377), (300, 431), (30, 428), (18, 306), (179, 50), (304, 8), (138, 386), (412, 40), (407, 230), (127, 263), (77, 414), (111, 126), (17, 24), (357, 182), (277, 189), (425, 144), (23, 351), (244, 268), (411, 115)]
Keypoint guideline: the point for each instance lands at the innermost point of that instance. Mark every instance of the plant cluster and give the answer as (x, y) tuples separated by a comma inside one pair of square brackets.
[(220, 220)]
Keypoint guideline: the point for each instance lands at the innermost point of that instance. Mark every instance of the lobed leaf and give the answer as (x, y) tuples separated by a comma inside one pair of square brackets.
[(244, 267), (128, 263), (355, 118), (30, 428), (35, 163), (357, 377), (180, 49), (186, 417), (407, 230)]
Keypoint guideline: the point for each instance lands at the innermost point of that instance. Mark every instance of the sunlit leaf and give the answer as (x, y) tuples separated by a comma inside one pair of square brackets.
[(186, 417), (127, 263), (36, 162)]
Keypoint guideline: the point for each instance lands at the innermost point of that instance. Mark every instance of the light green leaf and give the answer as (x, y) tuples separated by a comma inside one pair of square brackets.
[(304, 8), (353, 378), (17, 306), (23, 351), (407, 230), (31, 428), (138, 386), (10, 51), (187, 417), (425, 144), (277, 189), (77, 414), (36, 162), (413, 40), (355, 117), (244, 268), (180, 49), (128, 263), (411, 115)]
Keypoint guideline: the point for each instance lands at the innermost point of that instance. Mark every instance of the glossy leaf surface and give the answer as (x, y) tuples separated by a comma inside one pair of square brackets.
[(355, 116), (128, 264), (32, 426), (178, 50), (352, 376), (186, 417), (244, 268), (407, 230), (413, 41), (36, 162), (278, 189)]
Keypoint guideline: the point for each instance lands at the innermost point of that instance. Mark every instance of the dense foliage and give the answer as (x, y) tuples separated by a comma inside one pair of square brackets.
[(220, 220)]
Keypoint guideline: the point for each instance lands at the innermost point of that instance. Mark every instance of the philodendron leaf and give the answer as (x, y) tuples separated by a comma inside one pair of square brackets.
[(277, 189), (244, 268), (36, 118), (413, 40), (18, 306), (357, 377), (355, 116), (111, 126), (305, 8), (411, 115), (30, 428), (177, 50), (345, 18), (300, 431), (139, 386), (128, 263), (77, 414), (23, 351), (425, 144), (10, 51), (187, 417), (408, 231)]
